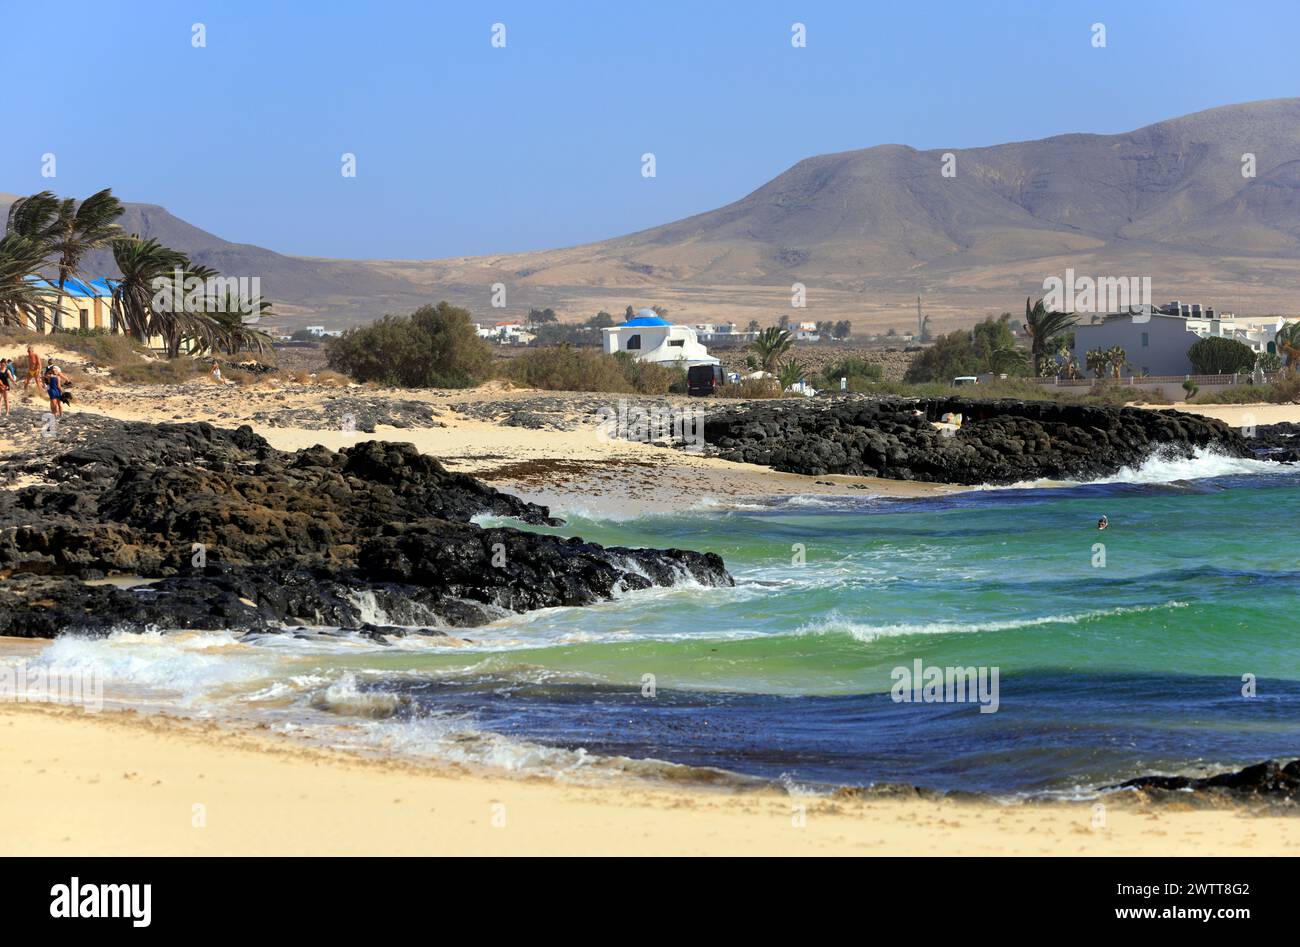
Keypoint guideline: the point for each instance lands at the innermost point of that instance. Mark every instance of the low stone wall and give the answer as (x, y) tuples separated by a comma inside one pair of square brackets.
[(1169, 387)]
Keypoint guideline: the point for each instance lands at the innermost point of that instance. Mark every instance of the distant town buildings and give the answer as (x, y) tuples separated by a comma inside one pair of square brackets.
[(504, 333), (1157, 343), (722, 333)]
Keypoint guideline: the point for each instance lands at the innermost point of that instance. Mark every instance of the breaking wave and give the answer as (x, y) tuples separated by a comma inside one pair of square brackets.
[(834, 624)]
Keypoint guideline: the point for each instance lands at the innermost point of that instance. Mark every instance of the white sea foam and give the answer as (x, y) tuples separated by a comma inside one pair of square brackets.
[(1204, 463), (186, 664), (835, 624), (344, 696)]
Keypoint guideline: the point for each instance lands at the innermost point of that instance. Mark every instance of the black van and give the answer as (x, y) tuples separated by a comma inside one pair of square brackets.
[(704, 380)]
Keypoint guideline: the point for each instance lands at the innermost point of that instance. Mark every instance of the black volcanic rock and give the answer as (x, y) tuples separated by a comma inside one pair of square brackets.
[(239, 535), (1280, 442), (1271, 779), (1000, 441)]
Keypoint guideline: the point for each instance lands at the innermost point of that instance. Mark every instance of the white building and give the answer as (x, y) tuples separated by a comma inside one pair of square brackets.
[(505, 333), (648, 338), (726, 332), (1259, 332), (807, 332)]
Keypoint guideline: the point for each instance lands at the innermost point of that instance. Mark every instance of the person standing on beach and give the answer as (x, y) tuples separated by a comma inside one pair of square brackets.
[(5, 384), (54, 386), (33, 368)]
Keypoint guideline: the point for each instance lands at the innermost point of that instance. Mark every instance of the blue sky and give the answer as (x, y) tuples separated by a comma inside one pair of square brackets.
[(463, 148)]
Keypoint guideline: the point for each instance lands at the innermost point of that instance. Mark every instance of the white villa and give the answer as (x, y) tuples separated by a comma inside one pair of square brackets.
[(1259, 332), (505, 333), (1157, 344), (648, 338), (721, 332)]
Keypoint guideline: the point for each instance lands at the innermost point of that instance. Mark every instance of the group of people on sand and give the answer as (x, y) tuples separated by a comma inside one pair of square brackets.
[(51, 379)]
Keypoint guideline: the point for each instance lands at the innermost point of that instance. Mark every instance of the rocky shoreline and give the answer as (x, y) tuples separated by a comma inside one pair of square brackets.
[(1274, 783), (1271, 780), (999, 441), (241, 536)]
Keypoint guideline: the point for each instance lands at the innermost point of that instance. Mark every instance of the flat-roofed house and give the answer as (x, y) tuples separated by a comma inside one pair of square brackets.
[(1154, 345), (82, 306)]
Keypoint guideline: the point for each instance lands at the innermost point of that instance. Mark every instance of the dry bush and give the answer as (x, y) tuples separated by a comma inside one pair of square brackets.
[(752, 388), (160, 372), (564, 368), (103, 350), (331, 379), (1285, 390)]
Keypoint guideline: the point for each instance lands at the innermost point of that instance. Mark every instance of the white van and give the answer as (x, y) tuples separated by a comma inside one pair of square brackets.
[(965, 380)]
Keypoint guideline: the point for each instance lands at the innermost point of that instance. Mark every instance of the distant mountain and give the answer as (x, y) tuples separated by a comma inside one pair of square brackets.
[(1167, 201), (303, 288), (868, 230)]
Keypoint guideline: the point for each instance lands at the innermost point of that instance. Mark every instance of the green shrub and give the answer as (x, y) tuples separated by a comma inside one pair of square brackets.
[(951, 355), (1269, 362), (1216, 356), (434, 347), (859, 372)]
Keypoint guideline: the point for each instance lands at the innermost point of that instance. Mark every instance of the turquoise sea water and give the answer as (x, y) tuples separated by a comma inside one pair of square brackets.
[(1106, 669)]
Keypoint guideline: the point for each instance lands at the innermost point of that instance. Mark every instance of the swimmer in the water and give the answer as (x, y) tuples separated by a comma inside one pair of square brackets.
[(1103, 523)]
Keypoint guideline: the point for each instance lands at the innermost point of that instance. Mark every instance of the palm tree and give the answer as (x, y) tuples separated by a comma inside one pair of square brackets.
[(1288, 343), (790, 372), (183, 319), (79, 228), (235, 319), (771, 344), (34, 217), (141, 262), (22, 297), (1042, 326)]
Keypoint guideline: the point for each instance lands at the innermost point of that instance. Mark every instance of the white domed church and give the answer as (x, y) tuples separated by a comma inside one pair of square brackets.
[(649, 338)]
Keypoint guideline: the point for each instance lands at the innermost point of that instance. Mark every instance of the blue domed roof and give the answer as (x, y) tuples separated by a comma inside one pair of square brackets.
[(647, 317)]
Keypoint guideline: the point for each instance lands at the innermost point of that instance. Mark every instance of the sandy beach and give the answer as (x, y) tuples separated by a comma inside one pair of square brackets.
[(122, 783)]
